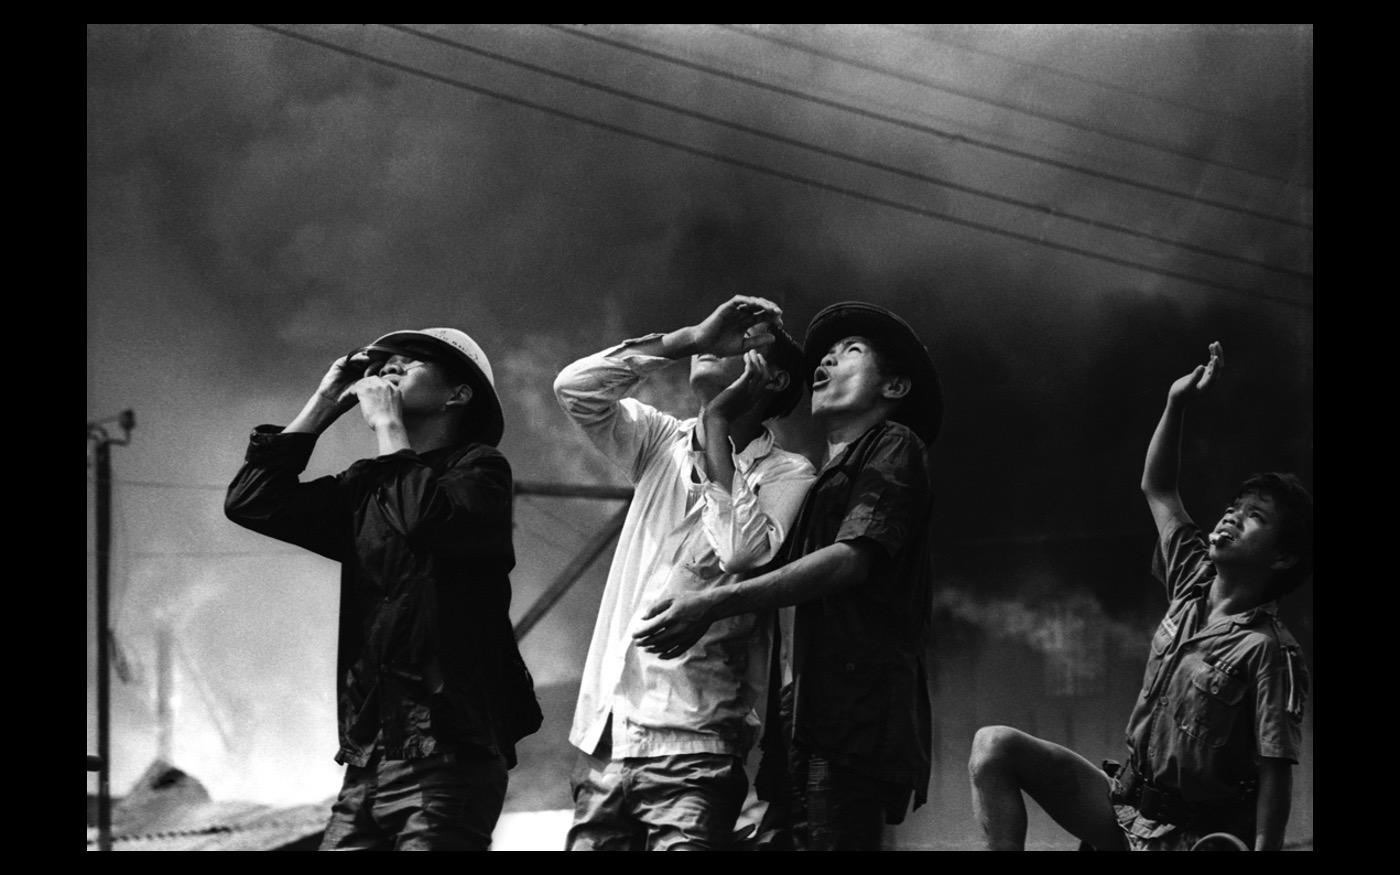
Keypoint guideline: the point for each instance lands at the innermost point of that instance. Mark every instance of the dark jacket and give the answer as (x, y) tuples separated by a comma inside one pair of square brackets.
[(860, 694), (427, 660)]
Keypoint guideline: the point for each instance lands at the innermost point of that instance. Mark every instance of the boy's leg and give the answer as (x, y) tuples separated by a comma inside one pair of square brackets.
[(845, 810), (1072, 790), (688, 802), (602, 819), (445, 802), (351, 826)]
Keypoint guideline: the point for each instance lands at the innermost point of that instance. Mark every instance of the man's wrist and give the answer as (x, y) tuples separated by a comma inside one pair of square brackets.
[(386, 423), (712, 604), (682, 342), (716, 422)]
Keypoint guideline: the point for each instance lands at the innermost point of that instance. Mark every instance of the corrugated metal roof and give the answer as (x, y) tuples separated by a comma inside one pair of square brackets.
[(169, 810)]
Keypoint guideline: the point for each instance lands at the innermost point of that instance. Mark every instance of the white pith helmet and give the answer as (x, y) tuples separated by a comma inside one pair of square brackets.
[(450, 345)]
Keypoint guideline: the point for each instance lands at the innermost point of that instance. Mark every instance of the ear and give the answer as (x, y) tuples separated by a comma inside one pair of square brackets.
[(460, 397), (779, 382), (1283, 562), (896, 388)]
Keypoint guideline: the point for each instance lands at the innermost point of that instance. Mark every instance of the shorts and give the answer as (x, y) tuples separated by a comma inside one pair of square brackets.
[(682, 802)]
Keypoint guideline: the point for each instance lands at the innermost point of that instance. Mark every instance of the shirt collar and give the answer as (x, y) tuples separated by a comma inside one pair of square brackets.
[(1268, 609), (760, 446)]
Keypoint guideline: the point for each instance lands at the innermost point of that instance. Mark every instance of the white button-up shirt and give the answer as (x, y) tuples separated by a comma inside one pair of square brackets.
[(682, 533)]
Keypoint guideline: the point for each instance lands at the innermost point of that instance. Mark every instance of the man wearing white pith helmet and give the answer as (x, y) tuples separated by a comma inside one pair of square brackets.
[(432, 692)]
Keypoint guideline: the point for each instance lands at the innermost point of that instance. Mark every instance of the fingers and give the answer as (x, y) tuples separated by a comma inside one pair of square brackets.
[(1217, 355), (667, 643), (758, 337), (357, 364), (757, 309), (761, 368), (1209, 370), (656, 609)]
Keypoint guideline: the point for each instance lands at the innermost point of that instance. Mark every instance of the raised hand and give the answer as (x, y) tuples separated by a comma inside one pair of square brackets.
[(1196, 382), (741, 395), (736, 326), (342, 374), (381, 402)]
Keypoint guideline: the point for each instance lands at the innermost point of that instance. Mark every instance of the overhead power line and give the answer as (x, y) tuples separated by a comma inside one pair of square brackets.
[(1078, 77), (929, 129), (161, 484), (780, 174), (1024, 110), (1044, 209)]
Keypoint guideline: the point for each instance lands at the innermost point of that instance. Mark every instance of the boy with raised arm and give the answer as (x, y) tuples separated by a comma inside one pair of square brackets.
[(432, 692), (853, 743), (1218, 724), (662, 744)]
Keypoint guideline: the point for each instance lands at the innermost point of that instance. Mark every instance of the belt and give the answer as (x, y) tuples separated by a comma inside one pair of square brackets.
[(1165, 804)]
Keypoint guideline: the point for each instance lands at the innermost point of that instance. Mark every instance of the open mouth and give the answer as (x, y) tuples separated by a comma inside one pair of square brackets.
[(819, 379), (1223, 536)]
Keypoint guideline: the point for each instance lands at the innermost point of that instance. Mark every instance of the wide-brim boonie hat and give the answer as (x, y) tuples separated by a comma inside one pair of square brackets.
[(452, 346), (922, 409)]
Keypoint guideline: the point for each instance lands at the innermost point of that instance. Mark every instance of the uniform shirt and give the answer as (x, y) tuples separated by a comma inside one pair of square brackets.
[(427, 661), (682, 533), (1216, 696), (860, 689)]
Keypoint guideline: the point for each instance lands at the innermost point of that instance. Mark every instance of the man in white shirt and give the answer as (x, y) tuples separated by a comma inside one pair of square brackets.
[(662, 742)]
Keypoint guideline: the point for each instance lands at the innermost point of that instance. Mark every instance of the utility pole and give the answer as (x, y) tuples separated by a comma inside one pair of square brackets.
[(126, 420), (165, 715)]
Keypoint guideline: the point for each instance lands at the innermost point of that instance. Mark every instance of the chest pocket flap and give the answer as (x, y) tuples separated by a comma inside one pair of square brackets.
[(1220, 683), (1210, 709)]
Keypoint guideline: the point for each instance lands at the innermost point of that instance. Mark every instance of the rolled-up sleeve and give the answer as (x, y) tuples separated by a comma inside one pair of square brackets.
[(748, 524), (1281, 689), (890, 496), (1179, 557), (591, 392), (267, 497)]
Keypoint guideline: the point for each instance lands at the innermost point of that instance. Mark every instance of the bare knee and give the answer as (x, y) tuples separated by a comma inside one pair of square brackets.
[(993, 748)]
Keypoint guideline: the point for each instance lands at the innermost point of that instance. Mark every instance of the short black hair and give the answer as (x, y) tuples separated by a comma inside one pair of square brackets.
[(1295, 506), (786, 355)]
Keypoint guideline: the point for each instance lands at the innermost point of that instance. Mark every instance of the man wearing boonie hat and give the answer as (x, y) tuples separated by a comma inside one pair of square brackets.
[(432, 692), (662, 744), (854, 741)]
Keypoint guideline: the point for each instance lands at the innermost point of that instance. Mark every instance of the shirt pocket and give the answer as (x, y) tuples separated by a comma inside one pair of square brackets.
[(1211, 704)]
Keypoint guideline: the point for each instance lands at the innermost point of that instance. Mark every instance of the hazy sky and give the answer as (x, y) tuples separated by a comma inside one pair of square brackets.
[(258, 205)]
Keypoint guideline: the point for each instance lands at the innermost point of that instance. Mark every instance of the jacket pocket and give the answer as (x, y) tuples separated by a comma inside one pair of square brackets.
[(1212, 704)]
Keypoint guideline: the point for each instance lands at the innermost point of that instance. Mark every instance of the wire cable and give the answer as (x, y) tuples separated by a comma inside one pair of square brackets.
[(1079, 77), (780, 174), (159, 484), (929, 129), (214, 554), (1034, 113), (846, 156)]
